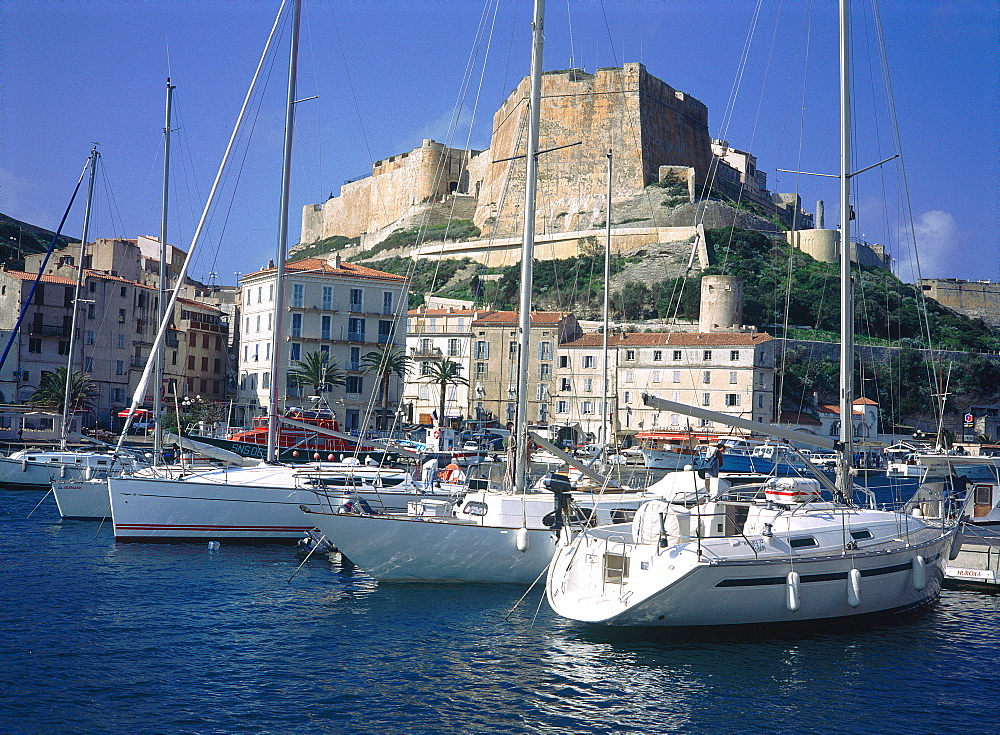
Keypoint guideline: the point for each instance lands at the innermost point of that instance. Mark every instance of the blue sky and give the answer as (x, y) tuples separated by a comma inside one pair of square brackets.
[(390, 73)]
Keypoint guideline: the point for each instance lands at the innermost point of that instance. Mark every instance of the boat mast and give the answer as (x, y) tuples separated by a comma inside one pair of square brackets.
[(605, 409), (279, 278), (846, 295), (164, 271), (528, 247), (67, 398)]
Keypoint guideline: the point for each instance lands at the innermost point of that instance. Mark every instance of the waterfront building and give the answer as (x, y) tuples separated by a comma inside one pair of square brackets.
[(341, 309), (728, 372)]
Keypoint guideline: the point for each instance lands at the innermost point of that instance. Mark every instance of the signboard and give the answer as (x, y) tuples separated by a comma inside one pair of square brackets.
[(968, 420)]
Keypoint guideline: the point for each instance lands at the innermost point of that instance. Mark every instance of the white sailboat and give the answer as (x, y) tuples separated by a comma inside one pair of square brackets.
[(775, 553)]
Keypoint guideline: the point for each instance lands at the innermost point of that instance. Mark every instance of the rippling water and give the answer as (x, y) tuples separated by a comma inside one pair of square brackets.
[(136, 638)]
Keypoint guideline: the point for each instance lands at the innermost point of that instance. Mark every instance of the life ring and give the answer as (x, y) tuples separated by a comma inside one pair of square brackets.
[(449, 473)]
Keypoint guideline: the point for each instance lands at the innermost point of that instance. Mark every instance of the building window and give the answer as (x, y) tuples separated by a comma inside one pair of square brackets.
[(544, 350), (629, 354), (384, 331), (706, 399), (482, 351), (564, 384), (298, 296), (34, 345), (732, 399), (677, 376), (706, 355), (124, 292), (193, 338), (88, 364), (677, 354), (265, 380), (562, 406), (588, 385), (656, 376), (481, 369), (90, 310), (629, 376), (453, 348), (586, 407), (353, 384), (512, 350), (119, 367), (191, 362), (355, 330), (734, 355), (324, 330), (627, 397), (357, 299), (588, 361), (294, 352), (564, 361), (732, 377), (328, 297), (89, 338), (353, 419), (355, 363), (121, 316), (657, 355), (121, 341), (706, 377), (675, 420), (545, 371), (387, 302), (296, 325), (204, 364)]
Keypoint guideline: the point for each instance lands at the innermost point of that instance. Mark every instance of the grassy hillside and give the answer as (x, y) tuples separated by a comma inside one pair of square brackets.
[(18, 239)]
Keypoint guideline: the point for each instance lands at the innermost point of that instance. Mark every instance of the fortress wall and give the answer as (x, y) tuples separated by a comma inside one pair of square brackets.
[(397, 184), (975, 299), (600, 111)]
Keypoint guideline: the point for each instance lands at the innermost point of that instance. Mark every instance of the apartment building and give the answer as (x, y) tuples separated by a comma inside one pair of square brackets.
[(728, 372), (117, 321), (333, 307), (434, 335), (494, 363)]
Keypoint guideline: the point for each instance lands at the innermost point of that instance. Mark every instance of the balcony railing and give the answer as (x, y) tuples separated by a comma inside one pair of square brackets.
[(355, 336), (425, 352), (49, 330)]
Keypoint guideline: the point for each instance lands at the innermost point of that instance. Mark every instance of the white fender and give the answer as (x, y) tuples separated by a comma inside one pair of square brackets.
[(919, 573), (521, 539), (62, 471), (854, 588), (24, 465), (792, 591)]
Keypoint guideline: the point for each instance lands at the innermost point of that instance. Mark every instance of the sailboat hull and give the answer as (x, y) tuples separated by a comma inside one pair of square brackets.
[(39, 469), (403, 549), (83, 500), (677, 588)]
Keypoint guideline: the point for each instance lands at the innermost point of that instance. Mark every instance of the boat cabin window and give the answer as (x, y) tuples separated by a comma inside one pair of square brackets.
[(615, 568), (861, 535), (102, 461), (32, 459), (474, 508), (797, 543), (53, 459)]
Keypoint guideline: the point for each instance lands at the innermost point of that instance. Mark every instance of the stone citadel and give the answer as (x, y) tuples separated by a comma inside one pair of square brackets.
[(663, 160)]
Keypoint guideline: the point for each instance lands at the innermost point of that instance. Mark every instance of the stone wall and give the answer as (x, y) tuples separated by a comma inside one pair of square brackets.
[(642, 120), (397, 185), (975, 299)]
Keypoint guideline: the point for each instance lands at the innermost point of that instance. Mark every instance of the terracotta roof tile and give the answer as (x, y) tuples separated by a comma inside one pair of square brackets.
[(674, 339), (512, 318), (802, 419), (320, 265), (21, 275)]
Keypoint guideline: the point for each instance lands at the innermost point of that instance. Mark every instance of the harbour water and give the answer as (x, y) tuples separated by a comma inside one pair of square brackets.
[(99, 637)]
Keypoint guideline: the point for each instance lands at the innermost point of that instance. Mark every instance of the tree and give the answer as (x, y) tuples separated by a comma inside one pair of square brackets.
[(386, 362), (51, 391), (443, 374), (317, 370)]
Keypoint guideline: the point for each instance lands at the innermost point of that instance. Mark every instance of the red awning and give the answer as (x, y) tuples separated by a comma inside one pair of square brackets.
[(138, 412)]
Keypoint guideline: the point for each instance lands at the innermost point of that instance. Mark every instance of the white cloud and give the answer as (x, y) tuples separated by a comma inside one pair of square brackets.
[(938, 248)]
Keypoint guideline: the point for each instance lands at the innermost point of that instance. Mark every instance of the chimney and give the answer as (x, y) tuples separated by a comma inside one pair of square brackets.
[(820, 215)]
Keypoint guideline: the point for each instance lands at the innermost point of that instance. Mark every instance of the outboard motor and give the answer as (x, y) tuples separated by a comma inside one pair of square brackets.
[(558, 484)]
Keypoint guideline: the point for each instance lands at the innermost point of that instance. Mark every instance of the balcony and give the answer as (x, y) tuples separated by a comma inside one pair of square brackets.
[(49, 330), (418, 353), (355, 336)]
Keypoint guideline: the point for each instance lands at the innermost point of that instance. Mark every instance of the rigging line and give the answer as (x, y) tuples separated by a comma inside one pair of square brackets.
[(34, 284), (169, 311), (894, 127)]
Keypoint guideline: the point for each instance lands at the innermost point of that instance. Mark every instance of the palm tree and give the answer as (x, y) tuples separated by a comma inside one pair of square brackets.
[(386, 361), (443, 374), (51, 391), (316, 369)]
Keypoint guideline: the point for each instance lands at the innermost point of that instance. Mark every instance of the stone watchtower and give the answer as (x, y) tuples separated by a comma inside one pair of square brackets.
[(721, 304)]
